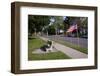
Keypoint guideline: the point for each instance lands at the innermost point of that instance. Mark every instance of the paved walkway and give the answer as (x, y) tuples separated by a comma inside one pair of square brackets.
[(67, 50)]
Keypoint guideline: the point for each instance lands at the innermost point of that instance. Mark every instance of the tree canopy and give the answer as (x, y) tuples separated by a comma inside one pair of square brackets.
[(36, 23), (53, 24)]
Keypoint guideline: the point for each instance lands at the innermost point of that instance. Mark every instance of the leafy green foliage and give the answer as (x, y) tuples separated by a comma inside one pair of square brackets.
[(51, 30), (36, 23), (82, 23)]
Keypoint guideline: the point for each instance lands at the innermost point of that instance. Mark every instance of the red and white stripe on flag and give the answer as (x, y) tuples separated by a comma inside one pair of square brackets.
[(72, 28)]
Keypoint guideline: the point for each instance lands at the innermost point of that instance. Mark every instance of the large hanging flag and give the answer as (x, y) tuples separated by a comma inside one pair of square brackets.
[(72, 28)]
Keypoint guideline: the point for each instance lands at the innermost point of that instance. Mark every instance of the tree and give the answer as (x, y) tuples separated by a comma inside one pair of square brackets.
[(51, 30), (58, 23), (80, 21), (84, 26), (66, 23), (36, 23)]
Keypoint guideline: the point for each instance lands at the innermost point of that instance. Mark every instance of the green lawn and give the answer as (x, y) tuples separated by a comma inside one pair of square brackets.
[(35, 43), (81, 49), (48, 56)]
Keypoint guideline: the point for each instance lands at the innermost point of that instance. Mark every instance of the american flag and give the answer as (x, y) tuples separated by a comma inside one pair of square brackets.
[(72, 28)]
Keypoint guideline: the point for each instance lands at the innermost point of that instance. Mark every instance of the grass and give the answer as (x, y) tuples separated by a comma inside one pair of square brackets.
[(35, 43), (49, 56), (81, 49)]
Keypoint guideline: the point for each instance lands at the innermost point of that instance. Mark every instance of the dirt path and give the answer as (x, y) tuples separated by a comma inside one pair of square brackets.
[(67, 50)]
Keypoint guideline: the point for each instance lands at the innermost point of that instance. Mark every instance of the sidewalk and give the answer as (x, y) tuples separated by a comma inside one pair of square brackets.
[(67, 50)]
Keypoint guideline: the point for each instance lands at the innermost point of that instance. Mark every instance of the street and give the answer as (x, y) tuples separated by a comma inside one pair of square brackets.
[(83, 42)]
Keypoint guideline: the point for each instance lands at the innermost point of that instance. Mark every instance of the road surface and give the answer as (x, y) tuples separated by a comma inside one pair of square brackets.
[(83, 42)]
